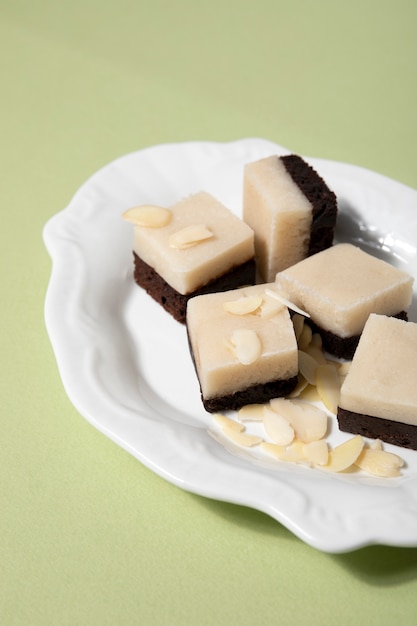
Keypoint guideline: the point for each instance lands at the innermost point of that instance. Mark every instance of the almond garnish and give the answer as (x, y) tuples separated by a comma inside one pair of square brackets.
[(226, 422), (148, 215), (251, 413), (243, 306), (242, 439), (307, 366), (343, 456), (379, 463), (270, 307), (328, 386), (376, 444), (305, 337), (317, 452), (281, 296), (308, 422), (278, 428), (190, 236), (316, 340), (302, 384), (316, 353), (291, 454), (246, 345), (309, 394), (236, 431)]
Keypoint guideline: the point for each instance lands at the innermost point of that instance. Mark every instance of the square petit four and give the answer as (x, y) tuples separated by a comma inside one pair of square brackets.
[(378, 398), (340, 287), (243, 346), (195, 246), (291, 210)]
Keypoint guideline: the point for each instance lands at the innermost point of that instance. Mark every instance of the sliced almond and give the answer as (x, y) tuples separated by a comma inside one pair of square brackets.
[(305, 337), (282, 297), (294, 453), (246, 345), (379, 463), (300, 387), (226, 422), (148, 215), (307, 366), (243, 305), (270, 307), (376, 444), (344, 368), (316, 353), (291, 454), (308, 421), (345, 455), (317, 452), (241, 438), (189, 236), (310, 394), (251, 413), (273, 449), (316, 340), (277, 427), (343, 371), (328, 386)]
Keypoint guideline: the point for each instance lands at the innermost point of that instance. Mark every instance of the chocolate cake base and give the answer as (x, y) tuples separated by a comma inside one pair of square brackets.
[(322, 199), (174, 302), (397, 433), (343, 347), (255, 394)]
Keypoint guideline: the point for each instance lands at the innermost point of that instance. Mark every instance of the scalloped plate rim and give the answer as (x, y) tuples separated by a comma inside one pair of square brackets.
[(121, 421)]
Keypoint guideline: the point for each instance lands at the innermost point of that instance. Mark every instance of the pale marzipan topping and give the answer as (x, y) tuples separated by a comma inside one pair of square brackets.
[(189, 236), (149, 216)]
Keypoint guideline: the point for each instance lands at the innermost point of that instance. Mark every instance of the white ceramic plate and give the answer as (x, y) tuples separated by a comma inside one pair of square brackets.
[(125, 363)]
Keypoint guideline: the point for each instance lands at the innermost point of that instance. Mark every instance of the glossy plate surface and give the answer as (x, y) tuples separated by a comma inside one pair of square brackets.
[(125, 363)]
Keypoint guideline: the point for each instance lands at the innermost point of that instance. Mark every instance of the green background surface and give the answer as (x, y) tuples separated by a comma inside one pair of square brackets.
[(88, 535)]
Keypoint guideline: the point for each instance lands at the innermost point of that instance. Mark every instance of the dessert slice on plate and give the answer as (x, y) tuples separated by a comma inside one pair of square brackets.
[(196, 246), (378, 398), (243, 346), (340, 287), (291, 210)]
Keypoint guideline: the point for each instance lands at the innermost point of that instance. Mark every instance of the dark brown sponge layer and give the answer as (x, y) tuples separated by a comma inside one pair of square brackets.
[(397, 433), (256, 394), (323, 200), (176, 303), (343, 347)]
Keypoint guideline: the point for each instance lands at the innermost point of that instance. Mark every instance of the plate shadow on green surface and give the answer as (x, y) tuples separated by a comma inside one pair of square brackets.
[(375, 565)]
